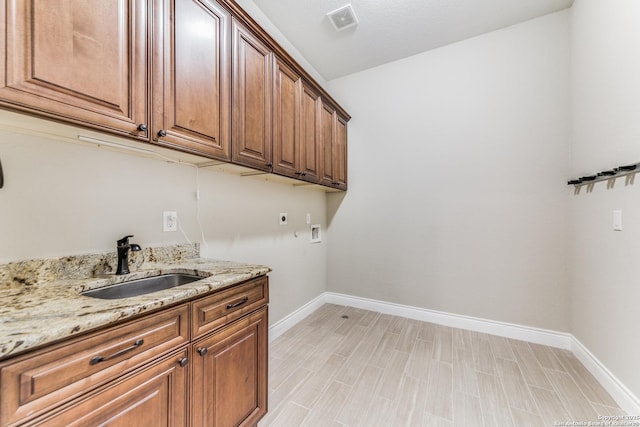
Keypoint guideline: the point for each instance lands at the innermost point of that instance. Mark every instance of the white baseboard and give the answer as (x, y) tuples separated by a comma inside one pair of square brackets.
[(621, 394), (508, 330), (283, 325)]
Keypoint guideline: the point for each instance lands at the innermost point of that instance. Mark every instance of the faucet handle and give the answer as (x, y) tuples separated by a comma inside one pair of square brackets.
[(124, 240)]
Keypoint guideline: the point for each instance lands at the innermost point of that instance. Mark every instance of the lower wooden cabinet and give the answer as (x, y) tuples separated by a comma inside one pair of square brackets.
[(157, 396), (230, 374), (164, 369)]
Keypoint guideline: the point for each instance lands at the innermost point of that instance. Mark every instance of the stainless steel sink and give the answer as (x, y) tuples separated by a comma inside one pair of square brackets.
[(141, 286)]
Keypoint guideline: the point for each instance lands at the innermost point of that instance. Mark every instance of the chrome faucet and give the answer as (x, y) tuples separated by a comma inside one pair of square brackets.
[(123, 254)]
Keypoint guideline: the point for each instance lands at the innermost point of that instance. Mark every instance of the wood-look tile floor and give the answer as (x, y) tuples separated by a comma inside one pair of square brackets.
[(343, 366)]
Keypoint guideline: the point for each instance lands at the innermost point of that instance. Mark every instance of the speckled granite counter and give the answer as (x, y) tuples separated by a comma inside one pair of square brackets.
[(40, 300)]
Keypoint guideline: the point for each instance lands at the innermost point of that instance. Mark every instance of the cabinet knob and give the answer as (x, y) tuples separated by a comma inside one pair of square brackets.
[(162, 133), (142, 127), (202, 351), (183, 362)]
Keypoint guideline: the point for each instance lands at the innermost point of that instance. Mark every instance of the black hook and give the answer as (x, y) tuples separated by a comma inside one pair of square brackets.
[(627, 168), (1, 176)]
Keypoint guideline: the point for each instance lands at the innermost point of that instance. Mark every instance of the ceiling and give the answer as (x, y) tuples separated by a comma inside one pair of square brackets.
[(391, 29)]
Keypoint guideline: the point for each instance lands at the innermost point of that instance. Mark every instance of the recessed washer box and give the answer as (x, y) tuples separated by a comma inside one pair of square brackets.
[(316, 234)]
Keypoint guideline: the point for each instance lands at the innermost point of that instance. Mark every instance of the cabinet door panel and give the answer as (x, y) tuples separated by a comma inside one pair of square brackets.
[(340, 154), (309, 136), (154, 397), (191, 71), (286, 120), (83, 61), (327, 136), (230, 374), (251, 100)]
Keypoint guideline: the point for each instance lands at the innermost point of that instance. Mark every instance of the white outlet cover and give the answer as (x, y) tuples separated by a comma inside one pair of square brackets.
[(617, 220), (170, 221)]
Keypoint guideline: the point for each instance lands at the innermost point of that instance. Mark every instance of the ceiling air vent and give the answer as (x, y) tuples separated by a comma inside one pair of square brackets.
[(343, 18)]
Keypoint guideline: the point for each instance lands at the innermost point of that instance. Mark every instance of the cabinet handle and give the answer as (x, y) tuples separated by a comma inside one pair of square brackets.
[(183, 362), (142, 127), (202, 351), (99, 359), (237, 304), (162, 133)]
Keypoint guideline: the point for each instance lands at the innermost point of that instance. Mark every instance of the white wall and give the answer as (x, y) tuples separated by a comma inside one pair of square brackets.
[(605, 76), (457, 163), (62, 199)]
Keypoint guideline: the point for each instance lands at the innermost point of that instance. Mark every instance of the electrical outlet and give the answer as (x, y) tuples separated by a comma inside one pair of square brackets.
[(169, 221), (283, 218)]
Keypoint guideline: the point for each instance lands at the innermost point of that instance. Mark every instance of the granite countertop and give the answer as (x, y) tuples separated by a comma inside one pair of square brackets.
[(40, 300)]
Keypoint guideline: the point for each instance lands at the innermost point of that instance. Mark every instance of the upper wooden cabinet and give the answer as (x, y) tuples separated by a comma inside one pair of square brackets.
[(296, 132), (199, 76), (328, 138), (310, 135), (286, 119), (333, 135), (81, 61), (340, 154), (251, 98), (191, 77)]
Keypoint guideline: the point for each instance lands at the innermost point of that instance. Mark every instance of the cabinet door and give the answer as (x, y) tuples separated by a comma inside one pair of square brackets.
[(251, 98), (230, 374), (154, 397), (310, 135), (286, 120), (340, 154), (327, 138), (191, 71), (80, 61)]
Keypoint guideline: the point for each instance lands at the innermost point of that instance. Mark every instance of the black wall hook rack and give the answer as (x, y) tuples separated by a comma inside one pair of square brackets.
[(606, 175)]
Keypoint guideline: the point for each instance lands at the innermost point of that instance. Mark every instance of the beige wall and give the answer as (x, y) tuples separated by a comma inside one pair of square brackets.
[(457, 161), (606, 133), (62, 198)]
